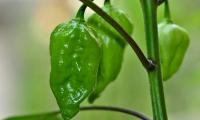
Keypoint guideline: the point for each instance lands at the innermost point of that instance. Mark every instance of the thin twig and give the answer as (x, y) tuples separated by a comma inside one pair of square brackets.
[(148, 64), (110, 108), (117, 109)]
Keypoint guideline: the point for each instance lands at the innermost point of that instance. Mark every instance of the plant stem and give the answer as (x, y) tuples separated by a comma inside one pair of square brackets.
[(155, 77), (159, 2), (147, 63), (81, 12), (117, 109), (167, 11), (107, 2), (109, 108)]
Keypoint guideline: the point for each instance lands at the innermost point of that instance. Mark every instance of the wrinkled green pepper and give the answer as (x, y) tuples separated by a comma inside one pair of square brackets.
[(75, 56), (173, 42), (112, 46)]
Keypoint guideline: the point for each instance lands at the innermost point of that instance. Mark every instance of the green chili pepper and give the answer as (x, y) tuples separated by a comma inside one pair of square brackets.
[(75, 56), (174, 41), (112, 46)]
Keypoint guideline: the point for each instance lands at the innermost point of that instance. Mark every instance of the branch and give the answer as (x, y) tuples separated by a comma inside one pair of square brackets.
[(103, 108), (109, 108), (147, 63), (117, 109)]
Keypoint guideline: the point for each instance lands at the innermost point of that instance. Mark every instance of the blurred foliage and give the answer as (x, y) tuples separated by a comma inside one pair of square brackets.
[(131, 88)]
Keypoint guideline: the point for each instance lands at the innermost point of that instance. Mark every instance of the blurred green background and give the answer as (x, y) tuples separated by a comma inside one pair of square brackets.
[(25, 27)]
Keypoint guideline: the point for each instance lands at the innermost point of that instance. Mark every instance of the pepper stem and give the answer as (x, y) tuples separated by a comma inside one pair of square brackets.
[(167, 14), (107, 2), (81, 12)]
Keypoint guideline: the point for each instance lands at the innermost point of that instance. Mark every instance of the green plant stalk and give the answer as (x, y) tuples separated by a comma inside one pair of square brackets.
[(83, 108), (107, 1), (81, 12), (155, 77), (167, 11)]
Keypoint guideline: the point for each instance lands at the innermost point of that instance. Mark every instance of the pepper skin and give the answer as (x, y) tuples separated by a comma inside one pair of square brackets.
[(75, 56), (173, 42), (113, 46)]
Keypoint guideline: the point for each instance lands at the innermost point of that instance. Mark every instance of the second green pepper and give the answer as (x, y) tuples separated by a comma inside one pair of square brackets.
[(113, 46)]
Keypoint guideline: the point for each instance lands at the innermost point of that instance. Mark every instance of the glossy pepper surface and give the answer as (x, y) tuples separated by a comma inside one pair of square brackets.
[(75, 56), (112, 47), (174, 41)]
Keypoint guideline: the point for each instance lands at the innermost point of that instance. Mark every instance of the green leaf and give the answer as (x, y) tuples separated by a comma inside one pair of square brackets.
[(53, 116)]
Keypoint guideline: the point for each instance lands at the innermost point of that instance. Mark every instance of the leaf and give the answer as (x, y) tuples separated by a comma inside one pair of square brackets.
[(52, 116)]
